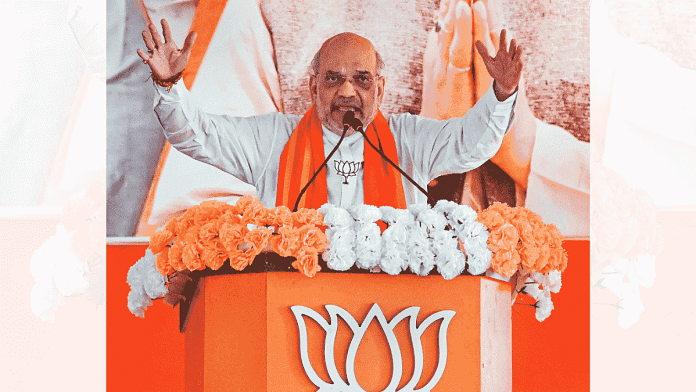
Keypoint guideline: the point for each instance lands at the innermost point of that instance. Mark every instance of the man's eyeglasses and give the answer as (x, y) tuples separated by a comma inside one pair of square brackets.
[(364, 81)]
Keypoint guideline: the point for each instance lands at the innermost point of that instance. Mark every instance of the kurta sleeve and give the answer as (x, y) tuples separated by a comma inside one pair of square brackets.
[(430, 148), (240, 146)]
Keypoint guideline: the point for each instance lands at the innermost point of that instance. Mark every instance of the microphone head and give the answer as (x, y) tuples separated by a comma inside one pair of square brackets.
[(350, 120)]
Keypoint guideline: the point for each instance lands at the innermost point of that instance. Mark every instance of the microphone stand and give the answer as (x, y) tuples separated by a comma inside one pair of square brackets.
[(345, 129), (358, 126)]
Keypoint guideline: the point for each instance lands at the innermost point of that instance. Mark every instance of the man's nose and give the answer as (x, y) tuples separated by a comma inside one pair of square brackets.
[(347, 89)]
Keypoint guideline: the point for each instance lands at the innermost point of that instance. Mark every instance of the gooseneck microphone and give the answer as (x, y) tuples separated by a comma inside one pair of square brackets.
[(346, 126), (356, 124)]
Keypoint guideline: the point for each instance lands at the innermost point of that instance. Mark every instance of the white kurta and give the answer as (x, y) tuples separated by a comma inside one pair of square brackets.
[(249, 148)]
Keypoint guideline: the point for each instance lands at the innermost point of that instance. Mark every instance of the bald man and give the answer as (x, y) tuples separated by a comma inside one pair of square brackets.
[(283, 155)]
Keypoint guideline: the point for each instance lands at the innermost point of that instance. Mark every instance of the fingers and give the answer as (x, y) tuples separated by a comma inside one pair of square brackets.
[(155, 35), (188, 43), (503, 41), (166, 31), (147, 37), (143, 56)]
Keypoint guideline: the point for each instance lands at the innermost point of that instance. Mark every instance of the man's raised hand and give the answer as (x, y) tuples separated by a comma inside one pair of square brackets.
[(164, 58), (505, 68)]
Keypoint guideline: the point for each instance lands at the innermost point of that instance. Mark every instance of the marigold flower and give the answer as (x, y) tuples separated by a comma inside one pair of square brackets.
[(175, 256), (491, 219), (162, 262), (160, 240), (213, 259), (505, 263), (307, 263), (528, 256), (287, 242), (243, 202), (281, 216), (258, 238), (503, 238), (255, 213), (312, 239), (191, 258), (232, 235), (208, 234), (240, 259), (306, 216)]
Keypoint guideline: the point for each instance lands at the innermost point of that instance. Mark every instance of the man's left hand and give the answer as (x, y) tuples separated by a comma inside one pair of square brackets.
[(505, 68)]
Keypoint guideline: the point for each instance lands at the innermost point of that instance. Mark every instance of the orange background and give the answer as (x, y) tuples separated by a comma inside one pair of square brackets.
[(148, 354)]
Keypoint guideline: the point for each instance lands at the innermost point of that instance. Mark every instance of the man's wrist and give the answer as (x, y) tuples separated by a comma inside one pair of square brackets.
[(502, 94)]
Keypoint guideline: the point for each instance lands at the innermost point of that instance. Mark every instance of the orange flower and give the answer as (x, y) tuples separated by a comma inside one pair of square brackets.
[(491, 219), (258, 238), (191, 258), (208, 234), (313, 240), (228, 217), (243, 202), (543, 260), (287, 242), (505, 263), (255, 213), (307, 263), (503, 238), (529, 255), (160, 240), (306, 216), (213, 259), (240, 259), (282, 216), (162, 262), (232, 235), (524, 229), (175, 256)]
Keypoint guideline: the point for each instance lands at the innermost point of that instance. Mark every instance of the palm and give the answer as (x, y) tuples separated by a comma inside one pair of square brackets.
[(166, 60), (505, 68)]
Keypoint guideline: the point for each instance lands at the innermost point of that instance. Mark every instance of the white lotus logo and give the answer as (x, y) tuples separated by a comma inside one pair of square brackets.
[(338, 384), (347, 169)]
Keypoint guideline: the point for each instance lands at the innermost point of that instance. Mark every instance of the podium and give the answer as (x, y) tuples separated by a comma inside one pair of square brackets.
[(282, 331)]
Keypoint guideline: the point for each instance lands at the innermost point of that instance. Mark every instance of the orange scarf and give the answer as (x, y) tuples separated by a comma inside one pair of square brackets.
[(304, 152)]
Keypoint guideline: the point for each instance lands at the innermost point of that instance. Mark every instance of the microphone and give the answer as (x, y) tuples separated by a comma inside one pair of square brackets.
[(346, 125), (350, 120)]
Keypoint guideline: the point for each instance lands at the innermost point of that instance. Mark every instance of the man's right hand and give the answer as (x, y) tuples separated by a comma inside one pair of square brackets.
[(165, 59)]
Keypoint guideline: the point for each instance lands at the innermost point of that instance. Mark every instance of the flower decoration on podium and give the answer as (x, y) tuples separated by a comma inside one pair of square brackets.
[(506, 243)]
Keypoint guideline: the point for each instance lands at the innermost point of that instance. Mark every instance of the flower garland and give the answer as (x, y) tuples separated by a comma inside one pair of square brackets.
[(501, 241), (213, 232)]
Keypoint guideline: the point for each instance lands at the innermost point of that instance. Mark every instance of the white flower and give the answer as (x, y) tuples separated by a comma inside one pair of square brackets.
[(421, 259), (451, 263), (146, 283), (479, 262), (544, 306), (394, 244), (533, 290), (435, 221), (138, 301), (339, 257), (416, 209), (554, 279), (336, 216), (364, 213), (445, 206), (367, 245)]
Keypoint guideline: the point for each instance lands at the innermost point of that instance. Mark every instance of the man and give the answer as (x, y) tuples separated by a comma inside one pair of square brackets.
[(278, 153)]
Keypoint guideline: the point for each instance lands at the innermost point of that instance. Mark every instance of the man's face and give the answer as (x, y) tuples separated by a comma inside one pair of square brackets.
[(347, 80)]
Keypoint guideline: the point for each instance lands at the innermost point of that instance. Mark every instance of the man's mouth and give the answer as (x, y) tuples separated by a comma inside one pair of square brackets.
[(343, 109)]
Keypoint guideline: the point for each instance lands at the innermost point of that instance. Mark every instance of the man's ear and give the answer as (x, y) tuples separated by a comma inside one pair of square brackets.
[(313, 88), (380, 90)]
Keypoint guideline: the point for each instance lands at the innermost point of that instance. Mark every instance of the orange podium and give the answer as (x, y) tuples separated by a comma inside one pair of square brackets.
[(282, 331)]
